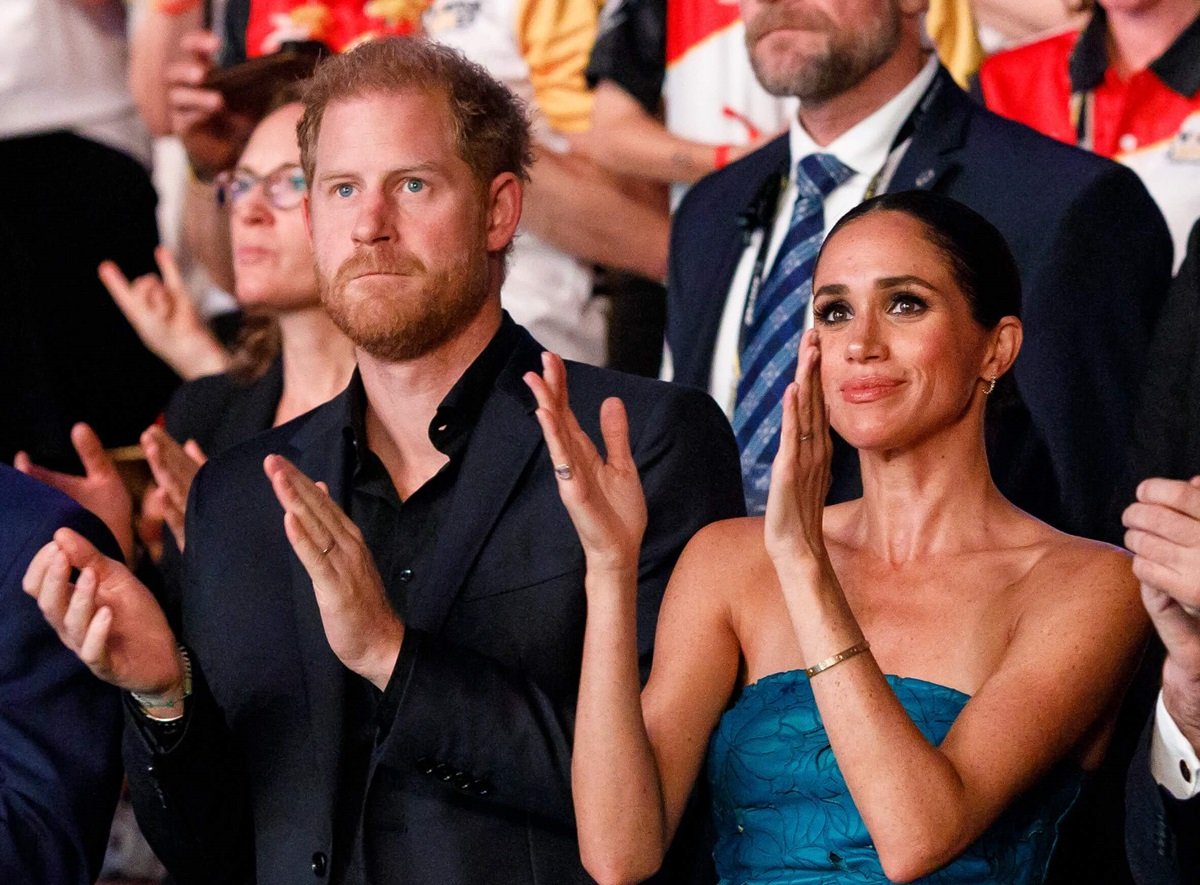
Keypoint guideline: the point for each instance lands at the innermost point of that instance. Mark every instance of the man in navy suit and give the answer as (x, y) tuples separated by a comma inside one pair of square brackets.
[(1162, 821), (378, 677), (60, 727), (1093, 250)]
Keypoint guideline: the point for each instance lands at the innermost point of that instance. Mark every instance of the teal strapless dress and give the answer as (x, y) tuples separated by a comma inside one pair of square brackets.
[(783, 814)]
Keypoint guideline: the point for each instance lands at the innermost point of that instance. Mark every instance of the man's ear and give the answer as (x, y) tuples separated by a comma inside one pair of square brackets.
[(1006, 344), (505, 196)]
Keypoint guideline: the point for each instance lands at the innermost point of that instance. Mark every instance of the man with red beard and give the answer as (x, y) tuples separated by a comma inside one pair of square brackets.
[(376, 683)]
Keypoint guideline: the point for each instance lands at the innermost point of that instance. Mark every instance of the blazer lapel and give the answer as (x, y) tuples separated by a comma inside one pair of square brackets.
[(941, 128), (318, 449), (694, 315), (501, 445)]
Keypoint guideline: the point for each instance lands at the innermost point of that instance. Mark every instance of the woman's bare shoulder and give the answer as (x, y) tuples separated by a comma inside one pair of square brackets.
[(1073, 571), (726, 556), (726, 544)]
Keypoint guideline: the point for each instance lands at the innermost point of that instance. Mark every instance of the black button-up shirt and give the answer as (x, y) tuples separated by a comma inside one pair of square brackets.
[(402, 536)]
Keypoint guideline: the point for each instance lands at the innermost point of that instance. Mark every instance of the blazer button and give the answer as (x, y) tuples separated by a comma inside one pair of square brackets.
[(425, 765), (481, 787), (320, 863), (443, 772), (462, 780)]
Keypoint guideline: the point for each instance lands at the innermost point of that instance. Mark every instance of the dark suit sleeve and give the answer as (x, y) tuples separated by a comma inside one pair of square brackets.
[(1162, 833), (60, 729), (188, 787), (499, 736), (1086, 340), (188, 792)]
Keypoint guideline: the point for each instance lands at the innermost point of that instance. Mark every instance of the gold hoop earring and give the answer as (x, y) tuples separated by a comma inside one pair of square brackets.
[(990, 386)]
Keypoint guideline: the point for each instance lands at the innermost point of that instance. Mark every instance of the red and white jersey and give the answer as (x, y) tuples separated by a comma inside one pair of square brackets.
[(1063, 86), (710, 90)]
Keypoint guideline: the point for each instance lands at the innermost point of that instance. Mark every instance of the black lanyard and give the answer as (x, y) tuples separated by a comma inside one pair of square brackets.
[(762, 212)]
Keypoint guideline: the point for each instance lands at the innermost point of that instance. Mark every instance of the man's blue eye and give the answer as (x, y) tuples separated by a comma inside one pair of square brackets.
[(414, 185), (344, 190)]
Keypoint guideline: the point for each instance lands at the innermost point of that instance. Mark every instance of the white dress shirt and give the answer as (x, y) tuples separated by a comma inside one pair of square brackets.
[(867, 149), (1173, 761)]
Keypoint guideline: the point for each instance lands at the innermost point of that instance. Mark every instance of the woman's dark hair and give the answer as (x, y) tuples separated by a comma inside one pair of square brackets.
[(983, 266)]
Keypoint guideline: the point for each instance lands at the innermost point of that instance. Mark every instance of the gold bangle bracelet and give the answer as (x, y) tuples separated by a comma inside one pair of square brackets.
[(834, 660)]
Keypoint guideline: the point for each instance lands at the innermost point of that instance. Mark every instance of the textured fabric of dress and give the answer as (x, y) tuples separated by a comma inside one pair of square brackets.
[(783, 814)]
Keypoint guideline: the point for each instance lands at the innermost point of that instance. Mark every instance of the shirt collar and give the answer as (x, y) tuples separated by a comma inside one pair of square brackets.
[(458, 411), (865, 146), (1178, 67)]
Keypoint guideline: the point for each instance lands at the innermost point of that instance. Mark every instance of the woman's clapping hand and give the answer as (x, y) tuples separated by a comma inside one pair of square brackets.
[(800, 473)]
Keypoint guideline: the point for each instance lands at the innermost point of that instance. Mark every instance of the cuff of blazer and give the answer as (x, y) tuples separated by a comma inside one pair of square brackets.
[(397, 687)]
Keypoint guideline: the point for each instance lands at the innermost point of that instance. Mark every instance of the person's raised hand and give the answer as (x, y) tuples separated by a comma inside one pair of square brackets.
[(106, 617), (99, 490), (212, 134), (174, 467), (161, 311), (603, 497), (361, 627), (1163, 533), (800, 475)]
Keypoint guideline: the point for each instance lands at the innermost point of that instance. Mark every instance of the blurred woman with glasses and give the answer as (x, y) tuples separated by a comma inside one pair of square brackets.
[(290, 356)]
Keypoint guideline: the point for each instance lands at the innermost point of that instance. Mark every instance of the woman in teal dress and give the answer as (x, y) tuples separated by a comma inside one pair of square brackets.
[(903, 686)]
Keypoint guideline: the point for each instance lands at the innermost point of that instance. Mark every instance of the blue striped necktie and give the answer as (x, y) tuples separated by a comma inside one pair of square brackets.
[(774, 323)]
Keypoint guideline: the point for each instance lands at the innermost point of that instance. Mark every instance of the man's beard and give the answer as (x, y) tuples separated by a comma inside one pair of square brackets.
[(426, 310), (846, 61)]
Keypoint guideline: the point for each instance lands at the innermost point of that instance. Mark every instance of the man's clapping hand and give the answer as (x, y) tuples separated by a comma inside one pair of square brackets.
[(108, 618), (1163, 532)]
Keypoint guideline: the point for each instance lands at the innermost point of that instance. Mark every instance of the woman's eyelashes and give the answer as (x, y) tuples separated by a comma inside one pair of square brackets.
[(907, 304), (833, 312)]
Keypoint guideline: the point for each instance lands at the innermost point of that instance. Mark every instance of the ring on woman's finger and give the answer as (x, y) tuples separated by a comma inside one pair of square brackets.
[(563, 471)]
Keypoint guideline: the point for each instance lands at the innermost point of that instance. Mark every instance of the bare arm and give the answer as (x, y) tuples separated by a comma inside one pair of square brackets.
[(627, 140), (631, 773), (153, 47), (573, 204), (1018, 19)]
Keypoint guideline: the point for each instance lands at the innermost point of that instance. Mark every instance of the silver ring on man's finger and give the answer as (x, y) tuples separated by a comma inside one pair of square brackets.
[(325, 552), (805, 436), (563, 471)]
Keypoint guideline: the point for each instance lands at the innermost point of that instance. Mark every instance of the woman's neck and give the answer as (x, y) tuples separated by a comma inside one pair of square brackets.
[(1137, 38), (317, 361), (935, 498)]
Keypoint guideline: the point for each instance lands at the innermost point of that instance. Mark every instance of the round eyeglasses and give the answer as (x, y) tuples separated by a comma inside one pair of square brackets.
[(283, 187)]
